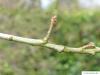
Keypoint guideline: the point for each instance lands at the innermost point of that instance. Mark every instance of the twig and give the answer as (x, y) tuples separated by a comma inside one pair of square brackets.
[(52, 24), (90, 48)]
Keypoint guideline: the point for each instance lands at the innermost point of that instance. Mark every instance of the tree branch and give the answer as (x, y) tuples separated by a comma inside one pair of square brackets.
[(90, 48)]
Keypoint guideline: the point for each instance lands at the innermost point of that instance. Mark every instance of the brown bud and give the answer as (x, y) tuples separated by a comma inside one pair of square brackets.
[(89, 46), (54, 20)]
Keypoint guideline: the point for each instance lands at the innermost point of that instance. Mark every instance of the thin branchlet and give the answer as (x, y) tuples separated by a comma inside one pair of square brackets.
[(52, 24)]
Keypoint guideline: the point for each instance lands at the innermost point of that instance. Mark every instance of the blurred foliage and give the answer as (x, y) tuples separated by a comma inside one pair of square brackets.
[(73, 29)]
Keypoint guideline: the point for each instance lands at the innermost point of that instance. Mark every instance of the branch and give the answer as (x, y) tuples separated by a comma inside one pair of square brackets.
[(90, 48)]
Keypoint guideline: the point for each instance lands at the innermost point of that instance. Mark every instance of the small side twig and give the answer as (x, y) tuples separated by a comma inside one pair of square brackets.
[(52, 24)]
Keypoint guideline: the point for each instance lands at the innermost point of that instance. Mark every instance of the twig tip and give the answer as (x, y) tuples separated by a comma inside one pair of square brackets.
[(54, 20)]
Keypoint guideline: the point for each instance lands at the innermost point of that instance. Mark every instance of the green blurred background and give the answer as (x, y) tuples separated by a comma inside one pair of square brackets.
[(78, 23)]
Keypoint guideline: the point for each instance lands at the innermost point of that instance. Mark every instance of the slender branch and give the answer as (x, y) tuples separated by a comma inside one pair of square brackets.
[(90, 48), (52, 24)]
